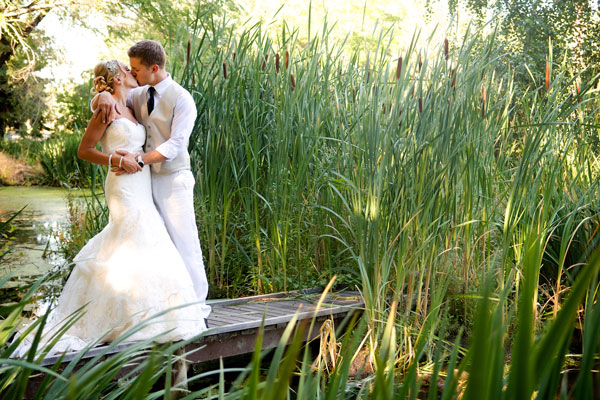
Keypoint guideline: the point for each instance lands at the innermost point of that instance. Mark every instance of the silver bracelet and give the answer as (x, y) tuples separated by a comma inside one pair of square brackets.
[(110, 160), (120, 161)]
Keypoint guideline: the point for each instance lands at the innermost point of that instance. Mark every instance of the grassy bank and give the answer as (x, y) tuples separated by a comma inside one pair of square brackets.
[(14, 171), (51, 162)]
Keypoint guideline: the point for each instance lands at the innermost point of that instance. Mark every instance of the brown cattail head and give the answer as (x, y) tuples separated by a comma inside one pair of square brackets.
[(483, 100), (189, 50), (234, 55), (446, 45), (420, 105), (225, 70), (578, 89), (453, 85), (264, 65), (293, 81), (354, 95), (287, 59), (547, 75), (277, 62), (399, 68), (420, 63)]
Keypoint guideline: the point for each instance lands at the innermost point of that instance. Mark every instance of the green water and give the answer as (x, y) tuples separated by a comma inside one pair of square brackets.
[(34, 245)]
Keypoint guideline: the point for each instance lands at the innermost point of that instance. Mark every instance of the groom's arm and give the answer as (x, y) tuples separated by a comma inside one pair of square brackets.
[(104, 104), (184, 116)]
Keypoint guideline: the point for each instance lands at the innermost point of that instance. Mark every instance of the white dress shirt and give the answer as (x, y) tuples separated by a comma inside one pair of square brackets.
[(184, 116)]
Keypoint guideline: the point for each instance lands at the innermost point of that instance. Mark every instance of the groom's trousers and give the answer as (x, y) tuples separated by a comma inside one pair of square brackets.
[(174, 197)]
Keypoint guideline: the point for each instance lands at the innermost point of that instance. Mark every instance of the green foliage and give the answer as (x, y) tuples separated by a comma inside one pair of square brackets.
[(74, 112), (58, 158), (527, 26)]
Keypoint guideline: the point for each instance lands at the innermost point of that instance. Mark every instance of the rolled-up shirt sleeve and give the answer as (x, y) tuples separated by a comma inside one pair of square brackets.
[(184, 116)]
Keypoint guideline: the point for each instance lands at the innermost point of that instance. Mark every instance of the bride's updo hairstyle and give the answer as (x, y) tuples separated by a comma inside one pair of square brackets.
[(105, 72)]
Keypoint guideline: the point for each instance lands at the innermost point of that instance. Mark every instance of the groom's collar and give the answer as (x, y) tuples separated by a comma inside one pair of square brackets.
[(162, 86)]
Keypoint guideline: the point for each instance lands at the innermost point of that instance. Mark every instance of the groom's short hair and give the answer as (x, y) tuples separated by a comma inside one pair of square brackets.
[(149, 52)]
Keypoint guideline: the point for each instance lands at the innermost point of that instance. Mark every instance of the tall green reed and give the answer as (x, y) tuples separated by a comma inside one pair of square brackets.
[(411, 178)]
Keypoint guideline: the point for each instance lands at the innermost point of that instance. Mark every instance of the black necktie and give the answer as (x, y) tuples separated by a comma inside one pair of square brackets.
[(150, 102)]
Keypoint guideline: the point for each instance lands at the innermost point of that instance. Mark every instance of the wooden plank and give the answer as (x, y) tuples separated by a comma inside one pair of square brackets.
[(244, 312), (224, 318), (263, 297), (284, 319)]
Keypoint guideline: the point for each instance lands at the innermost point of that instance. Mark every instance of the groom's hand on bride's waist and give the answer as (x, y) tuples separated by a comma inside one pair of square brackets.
[(129, 164)]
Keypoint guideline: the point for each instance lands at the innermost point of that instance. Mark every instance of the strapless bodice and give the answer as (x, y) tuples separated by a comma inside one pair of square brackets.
[(123, 134)]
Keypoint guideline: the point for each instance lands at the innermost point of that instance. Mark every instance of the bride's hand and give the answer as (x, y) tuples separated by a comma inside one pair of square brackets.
[(127, 163)]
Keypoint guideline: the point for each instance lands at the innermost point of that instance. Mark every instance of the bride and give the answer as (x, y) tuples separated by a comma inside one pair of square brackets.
[(131, 270)]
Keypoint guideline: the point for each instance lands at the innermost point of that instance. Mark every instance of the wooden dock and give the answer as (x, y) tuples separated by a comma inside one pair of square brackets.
[(234, 324)]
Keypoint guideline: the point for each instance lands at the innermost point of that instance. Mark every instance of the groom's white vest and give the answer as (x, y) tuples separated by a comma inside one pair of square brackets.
[(158, 126)]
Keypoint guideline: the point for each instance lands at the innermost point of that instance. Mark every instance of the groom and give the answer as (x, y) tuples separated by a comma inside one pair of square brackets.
[(168, 112)]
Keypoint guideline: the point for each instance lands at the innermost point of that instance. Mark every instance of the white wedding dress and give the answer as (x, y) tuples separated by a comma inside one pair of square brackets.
[(129, 271)]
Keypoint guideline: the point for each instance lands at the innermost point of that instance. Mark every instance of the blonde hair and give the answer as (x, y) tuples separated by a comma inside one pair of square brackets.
[(105, 72)]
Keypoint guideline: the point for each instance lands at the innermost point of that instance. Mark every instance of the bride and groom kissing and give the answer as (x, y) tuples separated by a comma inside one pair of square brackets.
[(148, 257)]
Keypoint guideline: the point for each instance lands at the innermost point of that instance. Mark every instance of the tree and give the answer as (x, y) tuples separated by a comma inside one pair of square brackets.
[(22, 45), (526, 26), (18, 58)]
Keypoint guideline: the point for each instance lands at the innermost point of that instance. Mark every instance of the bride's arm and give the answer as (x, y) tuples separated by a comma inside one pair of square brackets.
[(87, 148)]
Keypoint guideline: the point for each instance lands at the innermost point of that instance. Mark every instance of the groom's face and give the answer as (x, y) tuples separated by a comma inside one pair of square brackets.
[(143, 74)]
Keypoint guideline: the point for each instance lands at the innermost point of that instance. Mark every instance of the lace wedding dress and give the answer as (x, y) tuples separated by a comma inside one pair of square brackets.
[(129, 271)]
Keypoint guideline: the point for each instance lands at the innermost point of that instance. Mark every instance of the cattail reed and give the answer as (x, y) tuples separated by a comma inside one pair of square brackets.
[(547, 75), (293, 81), (224, 70), (420, 105), (420, 63), (399, 68), (189, 51), (578, 89), (277, 62), (287, 58), (264, 65), (483, 100), (446, 49)]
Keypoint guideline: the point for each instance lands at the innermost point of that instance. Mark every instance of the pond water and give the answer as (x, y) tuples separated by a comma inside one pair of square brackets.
[(33, 245)]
